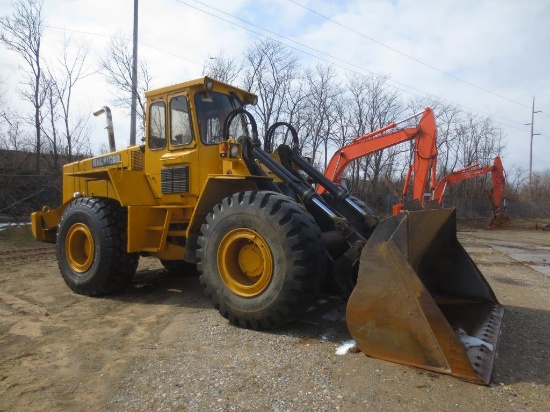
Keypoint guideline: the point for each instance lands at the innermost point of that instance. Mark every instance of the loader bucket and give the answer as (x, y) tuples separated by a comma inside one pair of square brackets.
[(420, 300)]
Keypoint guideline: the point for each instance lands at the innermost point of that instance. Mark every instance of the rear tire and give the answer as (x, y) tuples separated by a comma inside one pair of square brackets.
[(91, 247), (261, 259)]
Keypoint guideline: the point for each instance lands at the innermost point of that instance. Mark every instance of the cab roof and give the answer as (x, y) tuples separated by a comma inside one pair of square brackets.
[(201, 84)]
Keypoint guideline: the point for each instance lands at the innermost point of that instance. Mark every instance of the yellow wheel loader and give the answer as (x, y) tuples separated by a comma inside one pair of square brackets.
[(200, 190)]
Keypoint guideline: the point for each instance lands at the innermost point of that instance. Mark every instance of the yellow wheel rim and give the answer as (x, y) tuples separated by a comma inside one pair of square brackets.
[(79, 247), (245, 262)]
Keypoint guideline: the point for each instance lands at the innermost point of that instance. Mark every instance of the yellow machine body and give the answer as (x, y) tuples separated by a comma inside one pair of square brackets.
[(262, 236), (165, 186)]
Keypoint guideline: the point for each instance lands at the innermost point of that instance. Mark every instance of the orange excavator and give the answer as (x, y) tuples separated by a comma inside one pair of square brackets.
[(498, 192), (423, 165)]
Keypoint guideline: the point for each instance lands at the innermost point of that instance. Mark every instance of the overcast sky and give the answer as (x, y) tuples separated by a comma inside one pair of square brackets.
[(488, 57)]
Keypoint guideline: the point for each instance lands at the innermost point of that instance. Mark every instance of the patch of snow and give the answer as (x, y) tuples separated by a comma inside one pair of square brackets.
[(471, 341), (4, 226), (345, 347)]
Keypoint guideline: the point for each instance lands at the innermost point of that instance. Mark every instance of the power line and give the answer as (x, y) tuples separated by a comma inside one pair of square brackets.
[(541, 160), (125, 39), (406, 55), (83, 32), (425, 94)]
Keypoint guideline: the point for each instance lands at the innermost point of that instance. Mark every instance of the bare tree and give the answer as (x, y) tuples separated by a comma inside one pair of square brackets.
[(71, 69), (479, 140), (22, 33), (270, 71), (12, 133), (222, 67), (296, 103), (116, 66), (322, 97), (343, 121), (540, 187), (516, 180), (373, 105), (3, 103), (4, 116), (49, 118), (448, 119)]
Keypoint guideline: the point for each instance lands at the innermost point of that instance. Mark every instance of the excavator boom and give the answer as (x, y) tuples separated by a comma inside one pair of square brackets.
[(425, 151), (498, 203)]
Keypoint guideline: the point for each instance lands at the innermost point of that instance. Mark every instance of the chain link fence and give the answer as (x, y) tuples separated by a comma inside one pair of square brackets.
[(20, 195), (474, 208), (467, 208)]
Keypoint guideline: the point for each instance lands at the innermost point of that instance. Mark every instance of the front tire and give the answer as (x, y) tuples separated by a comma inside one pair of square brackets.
[(261, 259), (91, 247)]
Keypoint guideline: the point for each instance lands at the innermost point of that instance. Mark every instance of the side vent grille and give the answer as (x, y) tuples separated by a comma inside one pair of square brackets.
[(138, 161), (174, 179)]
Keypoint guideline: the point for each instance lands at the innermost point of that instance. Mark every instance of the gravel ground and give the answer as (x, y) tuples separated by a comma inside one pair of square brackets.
[(161, 347)]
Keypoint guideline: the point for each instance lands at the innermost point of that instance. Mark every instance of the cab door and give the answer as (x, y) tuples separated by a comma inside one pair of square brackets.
[(171, 152)]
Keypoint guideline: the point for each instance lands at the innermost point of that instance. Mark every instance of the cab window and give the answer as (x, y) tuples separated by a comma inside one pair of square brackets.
[(212, 110), (157, 126), (180, 125)]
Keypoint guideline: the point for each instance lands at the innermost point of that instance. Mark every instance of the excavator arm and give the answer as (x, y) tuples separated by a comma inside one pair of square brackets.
[(466, 173), (498, 204), (425, 151), (499, 185)]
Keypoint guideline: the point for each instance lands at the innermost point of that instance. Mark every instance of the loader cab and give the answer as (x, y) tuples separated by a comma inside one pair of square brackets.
[(184, 115), (184, 129)]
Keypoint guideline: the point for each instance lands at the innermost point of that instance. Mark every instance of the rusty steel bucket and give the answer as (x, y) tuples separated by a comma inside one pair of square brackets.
[(420, 300)]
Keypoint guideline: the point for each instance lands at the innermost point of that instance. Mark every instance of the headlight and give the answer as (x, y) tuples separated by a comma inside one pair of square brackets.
[(234, 151)]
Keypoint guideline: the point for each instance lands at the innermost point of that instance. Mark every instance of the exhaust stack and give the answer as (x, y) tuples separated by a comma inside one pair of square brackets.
[(110, 130)]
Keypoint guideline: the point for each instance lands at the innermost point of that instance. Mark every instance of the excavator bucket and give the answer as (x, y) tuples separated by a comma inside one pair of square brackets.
[(420, 300), (500, 219)]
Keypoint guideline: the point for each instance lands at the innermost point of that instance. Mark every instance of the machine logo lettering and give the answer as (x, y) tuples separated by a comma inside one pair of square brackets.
[(106, 161)]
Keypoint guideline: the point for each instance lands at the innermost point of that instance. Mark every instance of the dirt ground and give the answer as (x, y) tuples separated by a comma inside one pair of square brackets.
[(159, 346)]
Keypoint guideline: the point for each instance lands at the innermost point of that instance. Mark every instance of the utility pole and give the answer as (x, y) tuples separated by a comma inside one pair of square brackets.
[(133, 110), (531, 149)]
